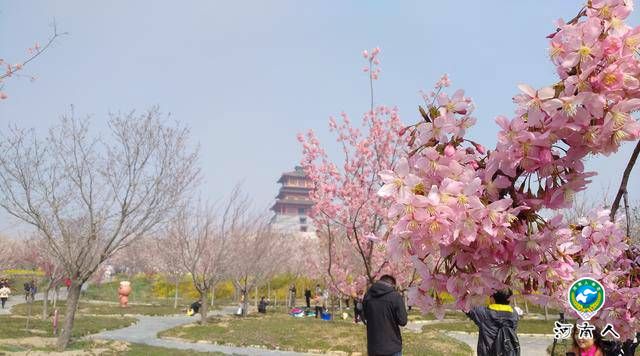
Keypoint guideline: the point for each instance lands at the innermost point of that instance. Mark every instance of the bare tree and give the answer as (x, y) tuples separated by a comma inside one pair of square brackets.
[(258, 254), (200, 238), (39, 252), (166, 260), (91, 195)]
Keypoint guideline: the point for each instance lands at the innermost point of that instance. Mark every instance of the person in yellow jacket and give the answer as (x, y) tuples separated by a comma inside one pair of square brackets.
[(498, 324)]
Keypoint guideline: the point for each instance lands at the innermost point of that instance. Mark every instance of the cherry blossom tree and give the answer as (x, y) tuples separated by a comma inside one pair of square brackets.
[(471, 219), (9, 258), (91, 195), (349, 217), (167, 260)]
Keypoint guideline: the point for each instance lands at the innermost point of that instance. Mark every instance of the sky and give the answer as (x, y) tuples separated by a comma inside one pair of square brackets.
[(247, 76)]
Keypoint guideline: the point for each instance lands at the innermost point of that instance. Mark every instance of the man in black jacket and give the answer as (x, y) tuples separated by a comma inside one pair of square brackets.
[(384, 313), (307, 297)]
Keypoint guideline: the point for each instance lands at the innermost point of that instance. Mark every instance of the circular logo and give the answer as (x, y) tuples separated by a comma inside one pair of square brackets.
[(586, 297)]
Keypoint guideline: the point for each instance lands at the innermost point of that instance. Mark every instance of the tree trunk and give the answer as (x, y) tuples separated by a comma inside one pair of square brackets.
[(175, 296), (546, 313), (245, 303), (526, 307), (45, 302), (204, 306), (70, 313), (332, 308), (55, 297), (213, 295), (29, 309), (406, 301), (255, 300)]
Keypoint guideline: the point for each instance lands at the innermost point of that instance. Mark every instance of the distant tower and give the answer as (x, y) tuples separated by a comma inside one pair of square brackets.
[(293, 204)]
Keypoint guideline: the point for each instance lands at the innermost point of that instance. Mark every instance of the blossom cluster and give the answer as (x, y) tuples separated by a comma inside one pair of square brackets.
[(12, 69), (471, 219)]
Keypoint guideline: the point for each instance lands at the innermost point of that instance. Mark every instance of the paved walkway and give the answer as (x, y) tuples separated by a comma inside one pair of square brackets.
[(146, 330), (19, 299), (531, 345)]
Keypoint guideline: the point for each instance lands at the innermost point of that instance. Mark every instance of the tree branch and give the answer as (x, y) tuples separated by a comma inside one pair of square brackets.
[(623, 184)]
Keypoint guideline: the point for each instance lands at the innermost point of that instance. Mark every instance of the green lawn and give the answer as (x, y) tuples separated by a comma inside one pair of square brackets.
[(14, 327), (100, 309), (109, 348), (414, 315), (142, 291), (525, 326), (280, 331)]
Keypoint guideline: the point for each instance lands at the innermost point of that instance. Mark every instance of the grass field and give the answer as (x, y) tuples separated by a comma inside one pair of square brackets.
[(525, 326), (280, 331), (101, 309), (14, 326), (107, 348)]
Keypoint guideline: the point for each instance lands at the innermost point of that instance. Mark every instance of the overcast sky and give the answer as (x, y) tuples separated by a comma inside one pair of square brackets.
[(246, 76)]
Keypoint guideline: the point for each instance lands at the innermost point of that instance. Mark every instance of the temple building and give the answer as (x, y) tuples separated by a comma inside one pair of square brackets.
[(293, 204)]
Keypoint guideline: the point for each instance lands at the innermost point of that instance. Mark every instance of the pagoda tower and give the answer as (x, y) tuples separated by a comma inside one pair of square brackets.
[(293, 204)]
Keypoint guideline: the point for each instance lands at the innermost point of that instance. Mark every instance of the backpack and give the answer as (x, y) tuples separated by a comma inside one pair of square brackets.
[(506, 343), (616, 348), (610, 347)]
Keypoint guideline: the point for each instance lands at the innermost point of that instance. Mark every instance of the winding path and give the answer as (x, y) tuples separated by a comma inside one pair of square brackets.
[(19, 299), (146, 330)]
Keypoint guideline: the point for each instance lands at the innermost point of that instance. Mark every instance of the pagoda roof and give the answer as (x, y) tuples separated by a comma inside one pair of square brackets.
[(294, 190), (298, 172), (305, 203), (282, 194)]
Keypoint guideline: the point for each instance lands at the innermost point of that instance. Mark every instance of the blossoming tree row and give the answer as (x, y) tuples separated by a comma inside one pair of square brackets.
[(470, 219)]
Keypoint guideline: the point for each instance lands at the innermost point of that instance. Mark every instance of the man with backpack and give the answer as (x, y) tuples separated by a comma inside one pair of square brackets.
[(498, 323)]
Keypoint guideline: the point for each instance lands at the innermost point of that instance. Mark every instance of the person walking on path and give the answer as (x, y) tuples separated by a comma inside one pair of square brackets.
[(307, 297), (4, 294), (383, 313), (27, 291), (497, 323)]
